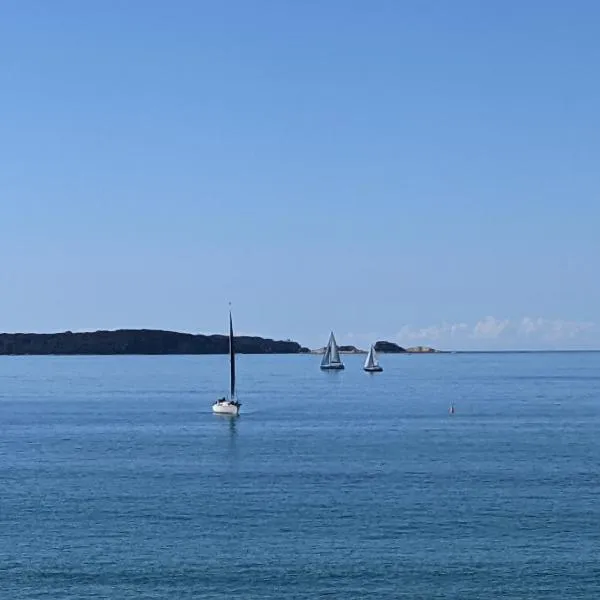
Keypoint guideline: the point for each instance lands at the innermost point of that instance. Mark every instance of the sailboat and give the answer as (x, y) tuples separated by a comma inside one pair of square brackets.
[(371, 363), (223, 406), (331, 359)]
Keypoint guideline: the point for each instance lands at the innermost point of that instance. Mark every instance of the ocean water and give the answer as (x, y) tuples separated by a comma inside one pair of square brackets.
[(117, 481)]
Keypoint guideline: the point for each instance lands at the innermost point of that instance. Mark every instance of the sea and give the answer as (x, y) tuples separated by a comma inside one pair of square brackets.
[(117, 481)]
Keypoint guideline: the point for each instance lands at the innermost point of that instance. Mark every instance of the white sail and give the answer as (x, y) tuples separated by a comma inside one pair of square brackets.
[(371, 360), (331, 358), (326, 356), (371, 363), (335, 353)]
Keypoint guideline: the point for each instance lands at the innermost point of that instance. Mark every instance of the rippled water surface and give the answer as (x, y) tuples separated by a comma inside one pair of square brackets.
[(117, 482)]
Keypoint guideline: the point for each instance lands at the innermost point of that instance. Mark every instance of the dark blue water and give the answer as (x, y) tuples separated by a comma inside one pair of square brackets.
[(117, 482)]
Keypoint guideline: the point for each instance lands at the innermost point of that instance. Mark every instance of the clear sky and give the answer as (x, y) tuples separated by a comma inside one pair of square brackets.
[(426, 172)]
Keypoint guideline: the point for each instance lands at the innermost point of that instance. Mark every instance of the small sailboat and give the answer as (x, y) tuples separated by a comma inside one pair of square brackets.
[(331, 359), (451, 409), (371, 363), (223, 406)]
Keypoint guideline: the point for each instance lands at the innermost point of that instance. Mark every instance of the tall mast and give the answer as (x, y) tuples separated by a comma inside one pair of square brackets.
[(231, 359)]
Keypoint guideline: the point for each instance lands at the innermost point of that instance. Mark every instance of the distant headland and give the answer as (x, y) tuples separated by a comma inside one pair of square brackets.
[(138, 341)]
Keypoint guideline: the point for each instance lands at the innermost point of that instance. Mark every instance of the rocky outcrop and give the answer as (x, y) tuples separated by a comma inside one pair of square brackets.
[(392, 348), (421, 350), (139, 341), (388, 347), (350, 350)]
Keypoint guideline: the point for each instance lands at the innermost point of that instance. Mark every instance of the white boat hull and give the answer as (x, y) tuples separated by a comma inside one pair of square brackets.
[(333, 367), (226, 408)]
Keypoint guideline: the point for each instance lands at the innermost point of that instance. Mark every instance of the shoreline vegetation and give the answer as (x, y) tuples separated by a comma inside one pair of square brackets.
[(138, 341), (156, 342)]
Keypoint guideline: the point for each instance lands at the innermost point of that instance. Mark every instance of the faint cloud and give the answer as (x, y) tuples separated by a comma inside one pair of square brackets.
[(502, 332), (529, 325), (490, 327), (553, 329), (432, 332)]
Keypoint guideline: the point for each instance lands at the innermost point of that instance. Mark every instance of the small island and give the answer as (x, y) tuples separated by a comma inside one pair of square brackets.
[(384, 347), (422, 350), (350, 350), (138, 341)]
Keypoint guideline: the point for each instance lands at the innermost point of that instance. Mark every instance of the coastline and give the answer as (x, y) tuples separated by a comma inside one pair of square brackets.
[(163, 342), (138, 341)]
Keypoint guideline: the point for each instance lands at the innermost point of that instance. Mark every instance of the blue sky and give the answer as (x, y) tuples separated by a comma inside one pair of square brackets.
[(425, 172)]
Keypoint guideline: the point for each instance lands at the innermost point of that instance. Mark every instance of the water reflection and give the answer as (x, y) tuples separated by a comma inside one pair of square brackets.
[(229, 421), (233, 426)]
